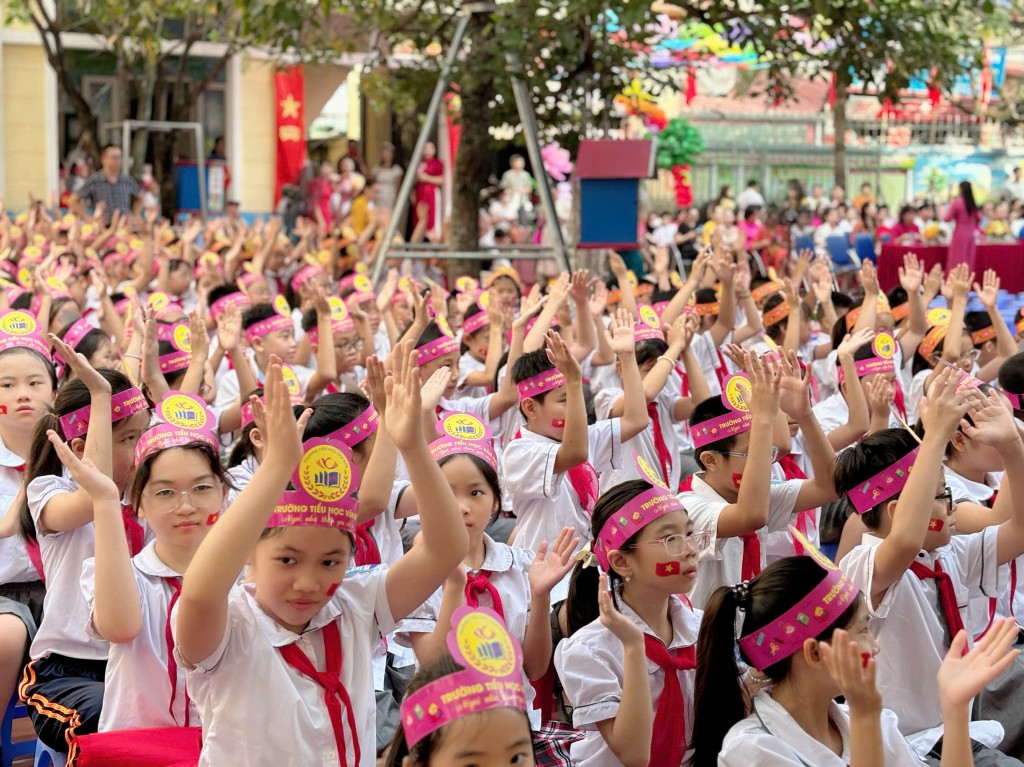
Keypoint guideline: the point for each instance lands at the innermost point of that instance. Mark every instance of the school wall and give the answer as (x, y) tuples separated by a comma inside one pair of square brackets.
[(25, 160), (258, 147)]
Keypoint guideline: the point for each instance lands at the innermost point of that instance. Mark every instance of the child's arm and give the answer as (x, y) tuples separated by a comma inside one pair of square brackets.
[(657, 376), (941, 414), (1005, 345), (855, 679), (546, 572), (726, 321), (495, 346), (753, 324), (879, 396), (750, 512), (603, 356), (379, 477), (911, 279), (859, 421), (791, 340), (443, 537), (629, 734), (960, 280), (69, 511), (116, 612), (961, 677), (586, 337), (557, 294), (869, 309), (430, 647), (621, 274), (229, 338), (575, 447), (326, 360), (203, 605), (679, 301), (622, 340), (699, 389), (200, 341), (507, 395), (387, 292)]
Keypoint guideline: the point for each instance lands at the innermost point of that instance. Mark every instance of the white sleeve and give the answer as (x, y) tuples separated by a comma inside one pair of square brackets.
[(592, 679), (603, 401), (782, 503), (704, 514), (422, 620), (39, 492), (859, 567), (605, 444), (746, 745), (979, 567), (529, 469)]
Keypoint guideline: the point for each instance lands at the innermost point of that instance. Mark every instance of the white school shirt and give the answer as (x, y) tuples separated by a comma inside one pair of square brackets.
[(770, 737), (15, 565), (137, 688), (469, 364), (228, 392), (643, 443), (780, 542), (833, 412), (915, 393), (589, 664), (544, 501), (65, 612), (911, 629), (259, 711), (706, 352), (510, 568), (722, 563), (241, 475)]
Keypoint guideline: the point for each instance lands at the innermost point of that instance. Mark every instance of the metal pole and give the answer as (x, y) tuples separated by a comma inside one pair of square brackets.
[(126, 139), (527, 118), (430, 118), (201, 167)]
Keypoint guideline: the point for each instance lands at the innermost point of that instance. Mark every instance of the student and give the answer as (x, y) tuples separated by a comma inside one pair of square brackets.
[(916, 576), (179, 489), (514, 582), (628, 665), (733, 498), (484, 656), (68, 664), (483, 342), (551, 471), (94, 344), (865, 364), (795, 721), (990, 335), (249, 644)]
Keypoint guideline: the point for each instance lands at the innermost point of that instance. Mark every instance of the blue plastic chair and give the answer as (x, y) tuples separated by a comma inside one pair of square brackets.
[(864, 247), (9, 748), (803, 242), (47, 757)]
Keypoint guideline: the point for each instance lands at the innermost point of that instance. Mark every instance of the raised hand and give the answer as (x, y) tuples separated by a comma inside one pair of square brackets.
[(911, 274), (94, 382), (622, 333), (281, 432), (550, 566), (579, 288), (990, 290), (853, 675), (198, 339), (961, 677), (933, 282), (561, 357), (869, 279), (374, 381), (402, 417), (434, 388), (622, 627), (617, 266), (526, 313), (794, 385), (994, 424), (559, 291), (599, 299), (879, 394), (85, 473), (680, 332), (960, 281), (229, 329), (765, 385), (851, 344), (942, 409)]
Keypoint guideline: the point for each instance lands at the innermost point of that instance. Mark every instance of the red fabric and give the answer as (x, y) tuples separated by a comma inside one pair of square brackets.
[(947, 596), (686, 485), (172, 666), (34, 555), (751, 556), (155, 747), (790, 470), (691, 85), (289, 93), (583, 479), (479, 584), (899, 399), (335, 694), (367, 552), (428, 194), (668, 740), (664, 456), (133, 530)]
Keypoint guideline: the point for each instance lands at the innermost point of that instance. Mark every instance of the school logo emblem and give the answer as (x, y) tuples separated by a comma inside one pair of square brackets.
[(25, 278), (884, 345), (649, 317), (325, 473), (362, 284), (939, 317), (18, 324), (362, 268), (281, 306), (484, 300), (444, 327), (56, 284), (648, 472), (158, 301), (466, 284), (339, 311), (291, 381), (182, 338), (463, 426), (485, 644), (737, 393), (183, 411)]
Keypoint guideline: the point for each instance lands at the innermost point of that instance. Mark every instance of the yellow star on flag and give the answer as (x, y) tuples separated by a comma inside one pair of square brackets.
[(290, 107)]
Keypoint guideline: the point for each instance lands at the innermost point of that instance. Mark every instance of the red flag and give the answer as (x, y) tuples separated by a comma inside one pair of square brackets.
[(289, 91), (453, 122), (691, 85)]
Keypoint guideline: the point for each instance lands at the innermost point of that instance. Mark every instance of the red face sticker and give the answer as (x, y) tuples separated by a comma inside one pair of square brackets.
[(558, 423), (864, 658), (667, 569), (935, 525), (736, 479), (482, 352), (332, 589), (212, 518), (3, 409)]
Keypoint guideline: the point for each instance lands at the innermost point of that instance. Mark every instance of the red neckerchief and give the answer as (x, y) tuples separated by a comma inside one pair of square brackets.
[(32, 547), (664, 456), (668, 738), (367, 552), (751, 556), (947, 596), (479, 584), (791, 470), (899, 401), (335, 694), (583, 479), (172, 666), (133, 530)]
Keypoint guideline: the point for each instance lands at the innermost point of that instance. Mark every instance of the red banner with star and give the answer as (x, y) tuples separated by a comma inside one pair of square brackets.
[(291, 127)]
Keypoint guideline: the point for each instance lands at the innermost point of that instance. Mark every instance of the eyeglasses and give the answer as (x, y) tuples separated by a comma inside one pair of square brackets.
[(206, 495), (676, 545), (347, 347), (775, 454), (947, 498)]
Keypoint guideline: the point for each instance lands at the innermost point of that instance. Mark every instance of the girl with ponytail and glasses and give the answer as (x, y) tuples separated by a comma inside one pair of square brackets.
[(805, 636), (627, 667)]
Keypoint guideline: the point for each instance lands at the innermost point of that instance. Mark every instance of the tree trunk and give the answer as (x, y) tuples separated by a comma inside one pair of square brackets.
[(145, 87), (839, 126)]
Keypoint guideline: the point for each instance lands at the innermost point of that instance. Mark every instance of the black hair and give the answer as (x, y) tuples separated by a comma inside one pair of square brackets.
[(968, 194), (720, 700), (257, 313), (650, 350), (50, 370), (490, 476), (431, 332), (42, 457), (776, 331), (176, 263), (107, 147), (174, 378), (705, 296), (23, 302), (1011, 374), (865, 459), (712, 407), (90, 343), (841, 300), (529, 365), (975, 321), (661, 296), (581, 606), (309, 320), (920, 362), (220, 291), (144, 469), (243, 448)]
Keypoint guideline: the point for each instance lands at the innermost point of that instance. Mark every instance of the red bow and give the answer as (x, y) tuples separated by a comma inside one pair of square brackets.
[(751, 556), (947, 596), (367, 552), (172, 666), (668, 739), (790, 470), (664, 456), (479, 584)]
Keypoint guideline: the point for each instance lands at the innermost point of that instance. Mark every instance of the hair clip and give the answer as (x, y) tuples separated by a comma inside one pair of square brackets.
[(741, 593), (586, 556)]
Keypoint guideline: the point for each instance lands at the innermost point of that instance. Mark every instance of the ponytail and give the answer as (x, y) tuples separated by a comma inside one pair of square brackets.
[(43, 461), (719, 700)]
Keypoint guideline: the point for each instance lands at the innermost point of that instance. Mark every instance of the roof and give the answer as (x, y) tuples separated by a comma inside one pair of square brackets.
[(615, 159)]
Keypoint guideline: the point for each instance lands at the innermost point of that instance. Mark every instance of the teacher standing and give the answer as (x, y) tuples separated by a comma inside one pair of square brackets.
[(964, 213)]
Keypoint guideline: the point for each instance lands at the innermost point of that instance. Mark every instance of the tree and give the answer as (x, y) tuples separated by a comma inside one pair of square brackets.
[(153, 44)]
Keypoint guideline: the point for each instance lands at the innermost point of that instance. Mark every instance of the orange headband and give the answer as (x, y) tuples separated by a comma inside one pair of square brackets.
[(931, 340), (901, 311), (776, 315), (702, 310), (983, 335), (765, 290)]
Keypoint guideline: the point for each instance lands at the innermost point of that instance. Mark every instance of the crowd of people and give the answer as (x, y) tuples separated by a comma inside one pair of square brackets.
[(262, 511)]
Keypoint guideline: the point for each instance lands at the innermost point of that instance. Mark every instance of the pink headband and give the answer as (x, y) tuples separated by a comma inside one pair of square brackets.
[(179, 336), (886, 484), (247, 414), (490, 677), (546, 381), (18, 330), (808, 618), (472, 324), (648, 326), (337, 328), (633, 517), (122, 405), (268, 326), (359, 284), (223, 303), (247, 279), (354, 432), (304, 275), (735, 396), (439, 347), (325, 482), (186, 418), (463, 434), (77, 332)]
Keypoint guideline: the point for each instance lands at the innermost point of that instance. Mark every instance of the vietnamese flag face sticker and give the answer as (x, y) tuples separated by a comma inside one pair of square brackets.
[(558, 423), (736, 479), (935, 525), (210, 519), (667, 569)]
